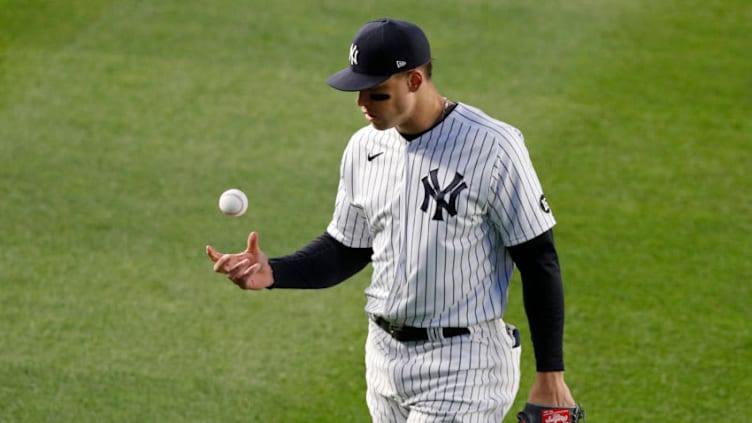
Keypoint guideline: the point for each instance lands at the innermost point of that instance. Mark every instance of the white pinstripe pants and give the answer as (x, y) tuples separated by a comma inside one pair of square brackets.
[(467, 378)]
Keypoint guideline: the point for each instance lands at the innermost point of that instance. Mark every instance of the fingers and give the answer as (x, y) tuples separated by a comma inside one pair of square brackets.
[(220, 266), (213, 254), (242, 274), (252, 243), (238, 270), (252, 248), (246, 269)]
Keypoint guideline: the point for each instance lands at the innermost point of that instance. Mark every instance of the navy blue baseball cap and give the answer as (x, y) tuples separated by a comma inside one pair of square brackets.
[(380, 49)]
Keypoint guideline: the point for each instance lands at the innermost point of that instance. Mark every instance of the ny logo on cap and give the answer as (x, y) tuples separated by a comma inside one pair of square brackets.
[(353, 55)]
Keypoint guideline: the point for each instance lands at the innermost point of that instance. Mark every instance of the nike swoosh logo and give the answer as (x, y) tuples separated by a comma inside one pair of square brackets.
[(373, 156)]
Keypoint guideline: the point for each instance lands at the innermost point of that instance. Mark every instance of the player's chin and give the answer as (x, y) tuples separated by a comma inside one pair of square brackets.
[(380, 125)]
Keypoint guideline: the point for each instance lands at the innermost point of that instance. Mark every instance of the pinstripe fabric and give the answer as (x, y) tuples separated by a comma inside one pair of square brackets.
[(471, 378), (438, 212), (452, 272)]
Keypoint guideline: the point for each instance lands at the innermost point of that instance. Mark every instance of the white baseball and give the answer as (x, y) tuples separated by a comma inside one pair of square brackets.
[(233, 202)]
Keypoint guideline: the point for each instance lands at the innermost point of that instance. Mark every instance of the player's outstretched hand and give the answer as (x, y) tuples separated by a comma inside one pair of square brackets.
[(248, 269)]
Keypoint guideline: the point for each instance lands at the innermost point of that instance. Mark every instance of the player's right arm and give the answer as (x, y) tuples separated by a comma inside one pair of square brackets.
[(322, 263)]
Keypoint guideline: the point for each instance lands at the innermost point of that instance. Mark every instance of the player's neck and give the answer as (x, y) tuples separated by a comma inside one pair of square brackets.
[(430, 108)]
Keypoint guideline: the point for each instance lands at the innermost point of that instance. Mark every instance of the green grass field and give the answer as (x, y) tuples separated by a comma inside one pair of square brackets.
[(122, 121)]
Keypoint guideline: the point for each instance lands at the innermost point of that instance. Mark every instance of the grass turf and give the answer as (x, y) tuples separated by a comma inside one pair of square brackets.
[(121, 122)]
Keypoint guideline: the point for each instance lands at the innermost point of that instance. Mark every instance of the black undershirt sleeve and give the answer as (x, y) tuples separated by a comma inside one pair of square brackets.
[(324, 262), (543, 296)]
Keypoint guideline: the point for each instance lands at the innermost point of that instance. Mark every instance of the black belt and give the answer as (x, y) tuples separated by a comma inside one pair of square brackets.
[(410, 333)]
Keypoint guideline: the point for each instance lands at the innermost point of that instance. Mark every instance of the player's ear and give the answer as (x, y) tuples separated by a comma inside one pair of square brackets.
[(414, 80)]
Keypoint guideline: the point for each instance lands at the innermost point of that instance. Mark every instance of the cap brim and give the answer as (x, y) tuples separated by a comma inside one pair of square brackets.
[(347, 80)]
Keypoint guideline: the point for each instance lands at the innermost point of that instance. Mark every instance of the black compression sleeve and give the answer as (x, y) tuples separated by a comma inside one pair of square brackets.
[(322, 263), (543, 296)]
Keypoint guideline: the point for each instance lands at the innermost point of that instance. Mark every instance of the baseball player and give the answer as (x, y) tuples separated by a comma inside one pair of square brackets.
[(444, 202)]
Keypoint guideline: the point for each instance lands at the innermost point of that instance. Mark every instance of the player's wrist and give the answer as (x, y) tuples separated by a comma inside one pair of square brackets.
[(550, 381), (550, 389)]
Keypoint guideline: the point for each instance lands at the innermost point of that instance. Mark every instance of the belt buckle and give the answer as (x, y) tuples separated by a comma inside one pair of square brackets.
[(393, 330)]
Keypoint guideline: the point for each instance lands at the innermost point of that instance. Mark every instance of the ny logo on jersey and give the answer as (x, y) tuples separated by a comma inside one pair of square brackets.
[(434, 190)]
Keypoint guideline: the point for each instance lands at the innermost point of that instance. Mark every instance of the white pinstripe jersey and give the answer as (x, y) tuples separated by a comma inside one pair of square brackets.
[(438, 212)]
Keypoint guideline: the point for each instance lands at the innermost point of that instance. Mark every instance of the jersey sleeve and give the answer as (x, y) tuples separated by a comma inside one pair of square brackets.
[(517, 204), (349, 224)]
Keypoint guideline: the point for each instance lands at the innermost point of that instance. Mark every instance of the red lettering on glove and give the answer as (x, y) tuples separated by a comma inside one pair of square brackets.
[(556, 415)]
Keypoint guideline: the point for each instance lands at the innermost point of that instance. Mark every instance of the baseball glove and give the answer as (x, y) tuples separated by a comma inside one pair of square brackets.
[(542, 414)]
